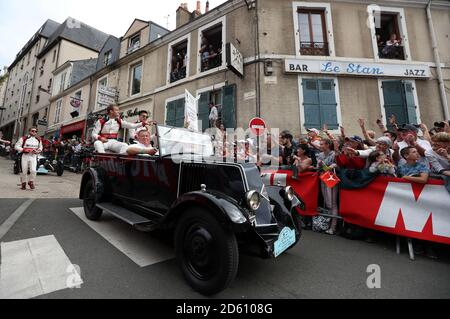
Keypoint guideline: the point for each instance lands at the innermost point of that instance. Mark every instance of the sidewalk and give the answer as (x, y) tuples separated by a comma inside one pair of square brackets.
[(47, 186)]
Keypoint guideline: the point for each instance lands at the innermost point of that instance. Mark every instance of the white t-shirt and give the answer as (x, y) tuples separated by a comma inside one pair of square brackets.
[(423, 144), (214, 115)]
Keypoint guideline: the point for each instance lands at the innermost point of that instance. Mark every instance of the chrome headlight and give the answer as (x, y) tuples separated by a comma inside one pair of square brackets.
[(253, 200), (289, 193)]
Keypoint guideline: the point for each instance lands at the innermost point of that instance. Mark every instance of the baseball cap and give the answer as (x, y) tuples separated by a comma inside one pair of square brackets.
[(408, 127), (385, 140), (314, 130), (354, 138)]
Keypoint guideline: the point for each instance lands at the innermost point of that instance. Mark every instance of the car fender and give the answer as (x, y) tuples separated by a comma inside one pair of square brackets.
[(100, 182), (226, 209)]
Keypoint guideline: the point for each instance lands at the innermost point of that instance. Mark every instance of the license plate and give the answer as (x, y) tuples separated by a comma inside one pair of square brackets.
[(285, 240)]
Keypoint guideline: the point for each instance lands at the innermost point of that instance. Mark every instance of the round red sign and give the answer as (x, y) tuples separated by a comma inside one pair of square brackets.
[(257, 126)]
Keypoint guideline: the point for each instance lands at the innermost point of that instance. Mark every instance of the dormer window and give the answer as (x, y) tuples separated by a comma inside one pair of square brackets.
[(134, 44), (107, 58)]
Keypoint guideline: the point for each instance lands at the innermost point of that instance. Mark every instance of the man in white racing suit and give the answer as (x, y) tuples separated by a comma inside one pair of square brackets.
[(106, 132), (29, 146)]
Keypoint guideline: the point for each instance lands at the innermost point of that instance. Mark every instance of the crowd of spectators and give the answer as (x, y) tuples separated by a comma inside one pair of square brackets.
[(410, 152)]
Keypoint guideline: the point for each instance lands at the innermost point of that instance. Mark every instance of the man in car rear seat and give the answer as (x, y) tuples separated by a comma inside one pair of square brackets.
[(143, 145), (106, 131)]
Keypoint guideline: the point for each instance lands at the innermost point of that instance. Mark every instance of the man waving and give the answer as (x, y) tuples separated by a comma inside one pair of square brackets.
[(106, 132)]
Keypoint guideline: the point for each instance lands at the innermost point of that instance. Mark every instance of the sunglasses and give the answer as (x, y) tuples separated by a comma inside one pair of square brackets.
[(33, 131)]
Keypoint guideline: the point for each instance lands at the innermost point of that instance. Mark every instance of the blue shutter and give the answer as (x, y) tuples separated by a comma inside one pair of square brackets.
[(311, 103), (410, 103), (171, 113), (179, 119), (393, 101), (229, 106), (203, 111), (328, 105)]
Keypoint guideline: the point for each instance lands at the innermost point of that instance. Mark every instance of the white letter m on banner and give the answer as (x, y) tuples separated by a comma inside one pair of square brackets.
[(434, 200)]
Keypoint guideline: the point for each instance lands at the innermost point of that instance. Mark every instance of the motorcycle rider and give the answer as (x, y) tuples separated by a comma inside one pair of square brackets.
[(106, 132), (29, 146)]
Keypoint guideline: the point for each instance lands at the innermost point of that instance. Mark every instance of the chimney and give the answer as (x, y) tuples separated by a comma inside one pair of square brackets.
[(207, 6), (199, 7), (183, 15)]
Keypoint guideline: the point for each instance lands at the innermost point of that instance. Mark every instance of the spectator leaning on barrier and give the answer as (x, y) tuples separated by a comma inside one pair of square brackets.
[(302, 161), (439, 157), (413, 170), (287, 148), (409, 139), (380, 163), (348, 158), (382, 145), (325, 162)]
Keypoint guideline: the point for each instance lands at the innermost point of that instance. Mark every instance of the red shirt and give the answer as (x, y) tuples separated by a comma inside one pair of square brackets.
[(348, 162)]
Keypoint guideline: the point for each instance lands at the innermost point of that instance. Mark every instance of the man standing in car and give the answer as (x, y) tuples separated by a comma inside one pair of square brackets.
[(106, 132), (29, 146)]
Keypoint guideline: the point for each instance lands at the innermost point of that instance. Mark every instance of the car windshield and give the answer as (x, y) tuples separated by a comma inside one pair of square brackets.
[(175, 141)]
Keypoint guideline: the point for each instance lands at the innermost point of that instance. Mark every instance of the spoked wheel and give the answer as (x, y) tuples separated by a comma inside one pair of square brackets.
[(207, 252), (91, 210)]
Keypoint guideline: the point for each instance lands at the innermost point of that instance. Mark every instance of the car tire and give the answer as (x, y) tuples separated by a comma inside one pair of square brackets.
[(91, 210), (59, 169), (16, 168), (207, 252)]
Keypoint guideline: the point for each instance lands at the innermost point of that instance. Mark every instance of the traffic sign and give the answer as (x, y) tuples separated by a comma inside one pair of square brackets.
[(257, 126)]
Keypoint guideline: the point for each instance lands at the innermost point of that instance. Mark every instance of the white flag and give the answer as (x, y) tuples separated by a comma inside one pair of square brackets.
[(191, 112)]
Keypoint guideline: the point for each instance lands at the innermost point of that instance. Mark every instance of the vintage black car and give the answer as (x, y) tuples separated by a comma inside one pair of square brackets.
[(216, 209)]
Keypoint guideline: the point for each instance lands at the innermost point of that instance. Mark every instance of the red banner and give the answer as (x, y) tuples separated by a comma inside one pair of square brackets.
[(306, 186), (397, 207)]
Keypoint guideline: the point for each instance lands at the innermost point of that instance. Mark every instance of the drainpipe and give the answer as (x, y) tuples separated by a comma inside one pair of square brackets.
[(437, 60)]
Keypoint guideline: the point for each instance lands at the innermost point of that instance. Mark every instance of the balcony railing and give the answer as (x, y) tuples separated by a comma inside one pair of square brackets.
[(314, 48), (391, 52)]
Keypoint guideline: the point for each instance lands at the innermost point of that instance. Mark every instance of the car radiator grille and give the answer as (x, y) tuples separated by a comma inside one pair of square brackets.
[(192, 177)]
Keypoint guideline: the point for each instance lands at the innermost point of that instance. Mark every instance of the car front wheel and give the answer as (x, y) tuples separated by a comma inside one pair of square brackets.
[(207, 252), (91, 210)]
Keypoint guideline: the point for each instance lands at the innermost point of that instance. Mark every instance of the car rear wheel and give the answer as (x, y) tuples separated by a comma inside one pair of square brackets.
[(91, 210), (59, 169), (207, 252), (16, 167)]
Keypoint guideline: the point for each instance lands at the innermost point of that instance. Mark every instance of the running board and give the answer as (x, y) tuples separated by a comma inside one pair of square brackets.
[(125, 215)]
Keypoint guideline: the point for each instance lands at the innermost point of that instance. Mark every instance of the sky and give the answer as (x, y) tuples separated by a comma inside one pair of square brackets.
[(20, 19)]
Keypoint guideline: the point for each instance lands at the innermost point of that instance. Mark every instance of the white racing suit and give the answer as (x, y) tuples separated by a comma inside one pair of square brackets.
[(29, 160), (110, 130)]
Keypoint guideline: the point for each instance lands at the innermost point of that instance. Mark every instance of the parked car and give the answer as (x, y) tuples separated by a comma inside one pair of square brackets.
[(216, 209)]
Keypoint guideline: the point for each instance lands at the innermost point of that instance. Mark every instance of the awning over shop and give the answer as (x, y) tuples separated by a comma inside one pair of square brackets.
[(74, 127)]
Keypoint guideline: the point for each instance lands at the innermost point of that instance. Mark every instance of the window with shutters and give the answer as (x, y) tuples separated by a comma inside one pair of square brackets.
[(225, 101), (320, 103), (58, 111), (399, 100), (175, 113)]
